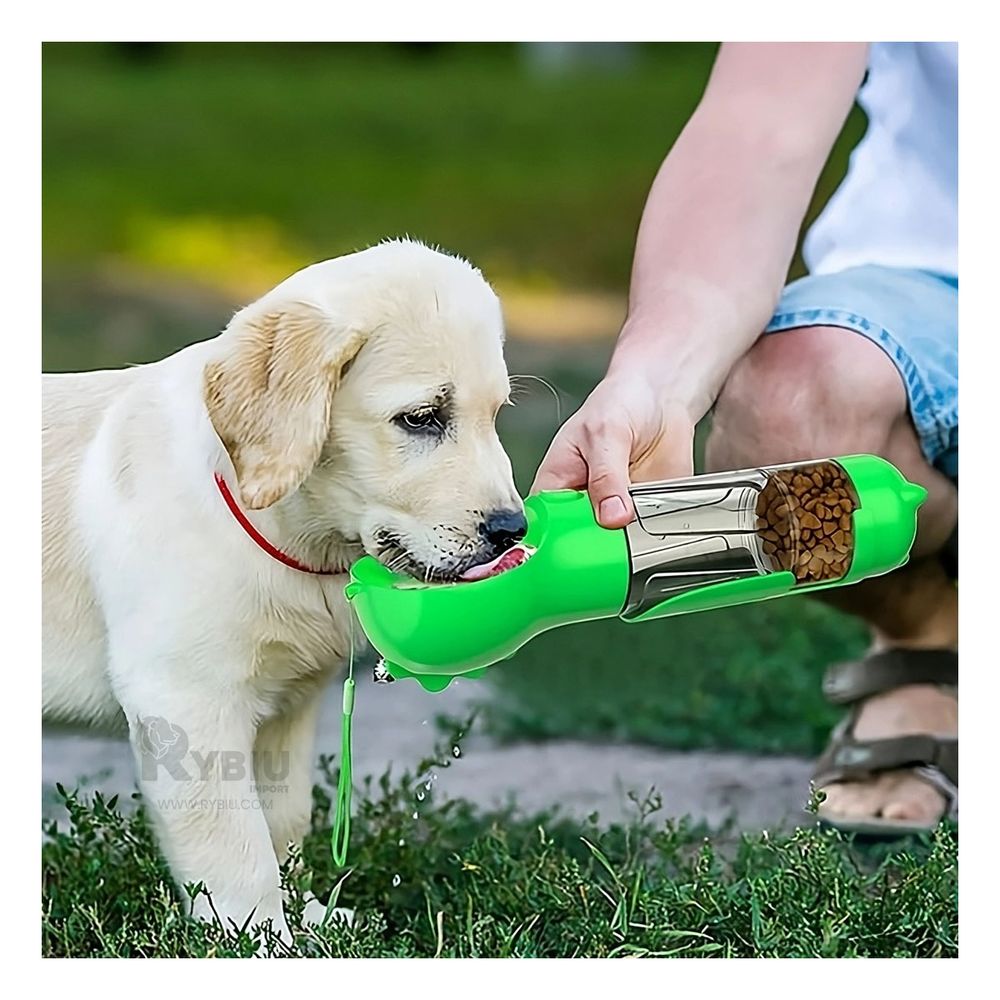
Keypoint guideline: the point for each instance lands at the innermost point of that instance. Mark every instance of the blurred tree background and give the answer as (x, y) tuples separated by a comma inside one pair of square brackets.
[(182, 180)]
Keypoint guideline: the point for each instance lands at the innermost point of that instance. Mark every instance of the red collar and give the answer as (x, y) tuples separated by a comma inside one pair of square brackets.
[(244, 523)]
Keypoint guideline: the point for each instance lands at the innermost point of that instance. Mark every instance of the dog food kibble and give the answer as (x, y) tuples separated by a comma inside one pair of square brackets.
[(804, 521)]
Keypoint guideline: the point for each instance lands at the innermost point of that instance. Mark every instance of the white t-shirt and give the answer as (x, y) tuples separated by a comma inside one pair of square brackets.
[(898, 204)]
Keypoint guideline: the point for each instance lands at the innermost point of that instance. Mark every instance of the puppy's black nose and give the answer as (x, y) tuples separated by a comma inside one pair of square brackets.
[(502, 528)]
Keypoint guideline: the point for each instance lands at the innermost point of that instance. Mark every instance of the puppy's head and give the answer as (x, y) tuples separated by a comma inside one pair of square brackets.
[(362, 393)]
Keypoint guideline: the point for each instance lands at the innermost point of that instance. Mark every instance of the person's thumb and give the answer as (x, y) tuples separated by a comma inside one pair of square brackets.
[(607, 477)]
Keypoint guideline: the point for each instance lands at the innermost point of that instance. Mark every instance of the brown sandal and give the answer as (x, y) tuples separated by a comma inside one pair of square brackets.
[(932, 758)]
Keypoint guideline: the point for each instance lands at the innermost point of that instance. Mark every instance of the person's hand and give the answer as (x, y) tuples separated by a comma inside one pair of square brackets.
[(627, 430)]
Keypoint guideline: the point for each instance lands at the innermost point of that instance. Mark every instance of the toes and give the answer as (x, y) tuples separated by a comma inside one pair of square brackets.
[(913, 800), (906, 810), (901, 797), (851, 800)]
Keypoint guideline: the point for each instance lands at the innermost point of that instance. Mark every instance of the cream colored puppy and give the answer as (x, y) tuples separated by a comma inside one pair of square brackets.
[(351, 408)]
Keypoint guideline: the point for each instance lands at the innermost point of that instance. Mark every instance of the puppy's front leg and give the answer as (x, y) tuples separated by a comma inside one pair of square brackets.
[(283, 761), (195, 764), (283, 765)]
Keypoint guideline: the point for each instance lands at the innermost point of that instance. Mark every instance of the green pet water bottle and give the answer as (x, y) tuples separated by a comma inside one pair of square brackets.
[(699, 543), (696, 544)]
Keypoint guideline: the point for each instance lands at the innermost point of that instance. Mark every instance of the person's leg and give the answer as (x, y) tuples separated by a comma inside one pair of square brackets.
[(818, 392)]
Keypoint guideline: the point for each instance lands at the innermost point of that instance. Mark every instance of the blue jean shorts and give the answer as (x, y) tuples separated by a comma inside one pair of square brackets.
[(913, 317)]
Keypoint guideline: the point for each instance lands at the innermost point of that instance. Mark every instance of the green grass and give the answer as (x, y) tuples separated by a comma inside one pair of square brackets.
[(461, 883)]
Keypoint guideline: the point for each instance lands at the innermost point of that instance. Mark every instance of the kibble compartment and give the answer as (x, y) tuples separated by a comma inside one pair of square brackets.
[(804, 520)]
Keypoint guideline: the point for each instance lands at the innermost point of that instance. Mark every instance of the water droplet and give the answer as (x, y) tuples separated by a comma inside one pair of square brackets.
[(434, 777), (420, 796), (401, 841), (415, 814), (424, 723), (427, 783), (396, 880), (456, 751)]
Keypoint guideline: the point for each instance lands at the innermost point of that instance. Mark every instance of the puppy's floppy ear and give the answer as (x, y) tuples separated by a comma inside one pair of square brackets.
[(268, 395)]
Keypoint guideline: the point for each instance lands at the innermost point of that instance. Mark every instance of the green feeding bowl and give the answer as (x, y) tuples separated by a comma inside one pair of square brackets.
[(698, 543)]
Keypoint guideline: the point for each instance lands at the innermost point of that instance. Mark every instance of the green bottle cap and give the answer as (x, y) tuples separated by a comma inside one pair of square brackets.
[(885, 523)]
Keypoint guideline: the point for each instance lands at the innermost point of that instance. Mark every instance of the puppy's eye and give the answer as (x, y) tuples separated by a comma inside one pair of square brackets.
[(427, 419)]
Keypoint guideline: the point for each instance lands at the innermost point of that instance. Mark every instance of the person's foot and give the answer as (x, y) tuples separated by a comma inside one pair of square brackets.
[(896, 795)]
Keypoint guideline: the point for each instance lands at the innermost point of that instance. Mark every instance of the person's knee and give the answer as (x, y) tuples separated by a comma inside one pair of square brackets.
[(806, 393)]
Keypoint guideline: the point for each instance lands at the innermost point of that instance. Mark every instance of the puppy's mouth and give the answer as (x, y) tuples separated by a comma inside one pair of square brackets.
[(514, 556), (394, 555)]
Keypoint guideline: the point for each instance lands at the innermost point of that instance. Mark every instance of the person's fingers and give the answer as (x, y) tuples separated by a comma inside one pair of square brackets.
[(562, 468), (607, 454), (599, 463), (597, 450)]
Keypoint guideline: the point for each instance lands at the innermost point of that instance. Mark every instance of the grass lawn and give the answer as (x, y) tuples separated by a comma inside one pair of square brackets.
[(458, 883)]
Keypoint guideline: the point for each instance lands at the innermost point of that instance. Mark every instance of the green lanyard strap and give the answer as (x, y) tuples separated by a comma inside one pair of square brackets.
[(341, 834)]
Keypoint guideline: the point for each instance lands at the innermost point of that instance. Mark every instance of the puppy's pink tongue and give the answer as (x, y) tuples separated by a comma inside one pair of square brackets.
[(506, 560)]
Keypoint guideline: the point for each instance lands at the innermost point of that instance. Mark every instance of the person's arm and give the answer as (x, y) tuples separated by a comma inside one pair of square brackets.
[(714, 246)]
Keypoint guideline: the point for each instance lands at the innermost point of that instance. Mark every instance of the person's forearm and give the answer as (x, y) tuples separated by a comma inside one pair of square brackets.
[(721, 220)]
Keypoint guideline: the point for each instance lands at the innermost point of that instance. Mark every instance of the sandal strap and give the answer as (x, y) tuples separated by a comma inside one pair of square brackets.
[(848, 759), (845, 683), (942, 783)]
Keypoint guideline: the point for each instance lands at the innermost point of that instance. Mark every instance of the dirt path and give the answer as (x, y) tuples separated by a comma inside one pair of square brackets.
[(394, 724)]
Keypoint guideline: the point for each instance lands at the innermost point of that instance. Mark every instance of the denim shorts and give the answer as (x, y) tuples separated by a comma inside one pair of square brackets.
[(913, 316)]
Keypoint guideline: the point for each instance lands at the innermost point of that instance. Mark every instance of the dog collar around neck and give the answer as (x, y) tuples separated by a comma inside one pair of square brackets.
[(244, 523)]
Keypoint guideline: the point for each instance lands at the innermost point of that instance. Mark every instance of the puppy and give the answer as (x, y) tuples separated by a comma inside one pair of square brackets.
[(199, 514)]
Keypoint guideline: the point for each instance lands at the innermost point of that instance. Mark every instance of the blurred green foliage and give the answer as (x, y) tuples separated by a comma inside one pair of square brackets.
[(741, 678), (529, 171)]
